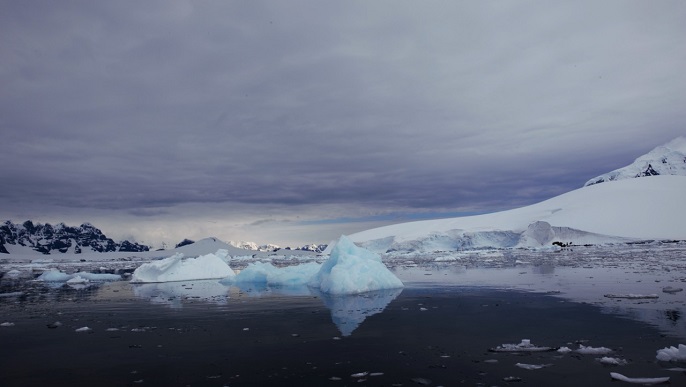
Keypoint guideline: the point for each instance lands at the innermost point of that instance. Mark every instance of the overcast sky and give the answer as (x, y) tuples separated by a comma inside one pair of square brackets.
[(296, 121)]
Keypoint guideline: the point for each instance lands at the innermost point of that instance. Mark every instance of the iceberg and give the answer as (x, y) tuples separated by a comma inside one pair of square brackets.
[(672, 353), (351, 269), (178, 268), (269, 275)]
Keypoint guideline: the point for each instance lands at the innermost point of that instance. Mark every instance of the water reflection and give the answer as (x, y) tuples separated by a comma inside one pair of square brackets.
[(348, 312), (174, 294)]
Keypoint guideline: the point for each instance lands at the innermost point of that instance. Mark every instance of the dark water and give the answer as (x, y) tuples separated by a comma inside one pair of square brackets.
[(433, 334)]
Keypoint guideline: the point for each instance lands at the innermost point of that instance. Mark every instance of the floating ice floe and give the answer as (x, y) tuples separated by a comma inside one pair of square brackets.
[(11, 294), (633, 296), (54, 275), (83, 329), (584, 350), (644, 381), (532, 366), (672, 353), (178, 268), (671, 290), (7, 324), (612, 361), (13, 273), (351, 269), (564, 350), (524, 346)]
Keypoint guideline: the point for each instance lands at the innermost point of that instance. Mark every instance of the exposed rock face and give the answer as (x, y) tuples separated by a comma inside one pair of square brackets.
[(48, 239)]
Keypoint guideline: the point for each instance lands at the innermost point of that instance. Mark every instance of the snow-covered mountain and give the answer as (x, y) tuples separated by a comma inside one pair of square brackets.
[(667, 159), (47, 239), (617, 211)]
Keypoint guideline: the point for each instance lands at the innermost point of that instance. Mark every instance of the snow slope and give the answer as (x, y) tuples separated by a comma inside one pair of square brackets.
[(667, 159), (652, 208)]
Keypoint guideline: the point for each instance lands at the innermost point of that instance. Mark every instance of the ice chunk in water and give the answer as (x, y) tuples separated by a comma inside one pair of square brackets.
[(672, 353), (524, 346), (352, 269), (643, 381), (178, 268)]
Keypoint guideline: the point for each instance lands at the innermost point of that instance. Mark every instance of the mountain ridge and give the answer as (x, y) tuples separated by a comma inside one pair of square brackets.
[(60, 238), (667, 159)]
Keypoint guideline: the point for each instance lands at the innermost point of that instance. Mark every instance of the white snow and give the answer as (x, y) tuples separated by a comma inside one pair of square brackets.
[(672, 353), (644, 381), (178, 268), (613, 212), (667, 159), (351, 269)]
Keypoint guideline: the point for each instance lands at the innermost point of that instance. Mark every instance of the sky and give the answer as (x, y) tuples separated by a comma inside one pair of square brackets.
[(295, 122)]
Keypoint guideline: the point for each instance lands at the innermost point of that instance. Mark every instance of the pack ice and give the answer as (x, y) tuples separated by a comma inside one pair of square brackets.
[(178, 268)]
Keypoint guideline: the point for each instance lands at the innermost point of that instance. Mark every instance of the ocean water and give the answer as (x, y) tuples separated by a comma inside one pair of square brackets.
[(438, 330)]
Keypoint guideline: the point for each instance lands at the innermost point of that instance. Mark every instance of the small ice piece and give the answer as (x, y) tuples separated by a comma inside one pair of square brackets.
[(524, 346), (54, 275), (671, 290), (532, 366), (422, 381), (612, 361), (351, 270), (376, 374), (512, 379), (359, 375), (672, 353), (564, 350), (584, 350), (178, 268), (7, 324), (112, 329), (644, 381), (77, 280), (335, 378), (54, 325), (83, 329), (13, 273), (631, 296)]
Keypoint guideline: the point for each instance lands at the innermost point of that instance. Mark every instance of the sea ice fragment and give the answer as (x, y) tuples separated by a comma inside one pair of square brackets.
[(644, 381)]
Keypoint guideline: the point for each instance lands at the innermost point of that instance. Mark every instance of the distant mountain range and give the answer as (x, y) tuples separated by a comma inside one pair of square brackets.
[(47, 239), (667, 159)]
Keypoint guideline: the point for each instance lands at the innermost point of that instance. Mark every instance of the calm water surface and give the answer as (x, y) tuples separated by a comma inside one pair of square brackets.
[(436, 331)]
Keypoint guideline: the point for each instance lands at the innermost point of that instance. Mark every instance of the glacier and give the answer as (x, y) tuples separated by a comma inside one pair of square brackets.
[(610, 213)]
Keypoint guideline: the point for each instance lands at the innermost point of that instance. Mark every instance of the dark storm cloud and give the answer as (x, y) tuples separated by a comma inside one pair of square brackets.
[(486, 105)]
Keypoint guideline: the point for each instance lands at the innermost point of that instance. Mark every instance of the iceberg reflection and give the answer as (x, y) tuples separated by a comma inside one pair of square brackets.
[(173, 293), (349, 311)]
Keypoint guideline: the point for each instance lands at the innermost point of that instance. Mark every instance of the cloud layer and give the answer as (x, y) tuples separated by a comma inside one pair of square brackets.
[(326, 109)]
